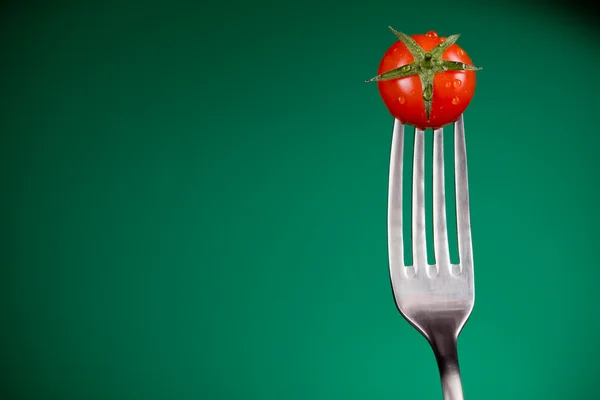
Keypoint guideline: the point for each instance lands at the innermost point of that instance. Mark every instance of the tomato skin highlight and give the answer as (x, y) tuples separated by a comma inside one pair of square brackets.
[(452, 90)]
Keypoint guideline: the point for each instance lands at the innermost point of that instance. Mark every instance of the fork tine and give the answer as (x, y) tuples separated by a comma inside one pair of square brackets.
[(440, 230), (463, 222), (395, 243), (419, 246)]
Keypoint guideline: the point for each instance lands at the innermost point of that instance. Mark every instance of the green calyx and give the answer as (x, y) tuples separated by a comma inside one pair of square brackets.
[(426, 64)]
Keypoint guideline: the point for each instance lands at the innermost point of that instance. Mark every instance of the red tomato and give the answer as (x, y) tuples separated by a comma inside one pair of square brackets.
[(452, 89)]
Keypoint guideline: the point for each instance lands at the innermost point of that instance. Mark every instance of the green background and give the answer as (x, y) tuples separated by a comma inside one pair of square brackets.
[(194, 197)]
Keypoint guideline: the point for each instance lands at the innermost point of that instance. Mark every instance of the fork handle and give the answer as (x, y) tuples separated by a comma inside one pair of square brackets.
[(446, 355)]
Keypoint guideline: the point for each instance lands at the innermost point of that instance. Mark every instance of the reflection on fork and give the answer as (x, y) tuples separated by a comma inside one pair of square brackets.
[(436, 299)]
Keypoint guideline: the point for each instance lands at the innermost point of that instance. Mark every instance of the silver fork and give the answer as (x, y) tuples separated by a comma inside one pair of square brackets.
[(436, 299)]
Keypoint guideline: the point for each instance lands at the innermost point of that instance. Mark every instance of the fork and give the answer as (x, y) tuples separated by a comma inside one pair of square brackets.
[(435, 299)]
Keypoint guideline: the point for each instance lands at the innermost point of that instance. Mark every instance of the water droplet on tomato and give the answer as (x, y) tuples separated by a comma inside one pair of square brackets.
[(448, 84), (457, 83), (431, 34), (401, 100), (461, 52), (455, 100)]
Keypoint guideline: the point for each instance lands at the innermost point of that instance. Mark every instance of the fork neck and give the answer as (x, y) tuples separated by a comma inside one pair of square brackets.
[(446, 354)]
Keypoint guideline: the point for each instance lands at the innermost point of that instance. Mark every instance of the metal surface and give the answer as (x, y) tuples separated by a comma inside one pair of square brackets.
[(436, 299)]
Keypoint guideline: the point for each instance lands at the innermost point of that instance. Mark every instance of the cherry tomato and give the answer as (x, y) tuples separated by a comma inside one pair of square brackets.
[(440, 87)]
